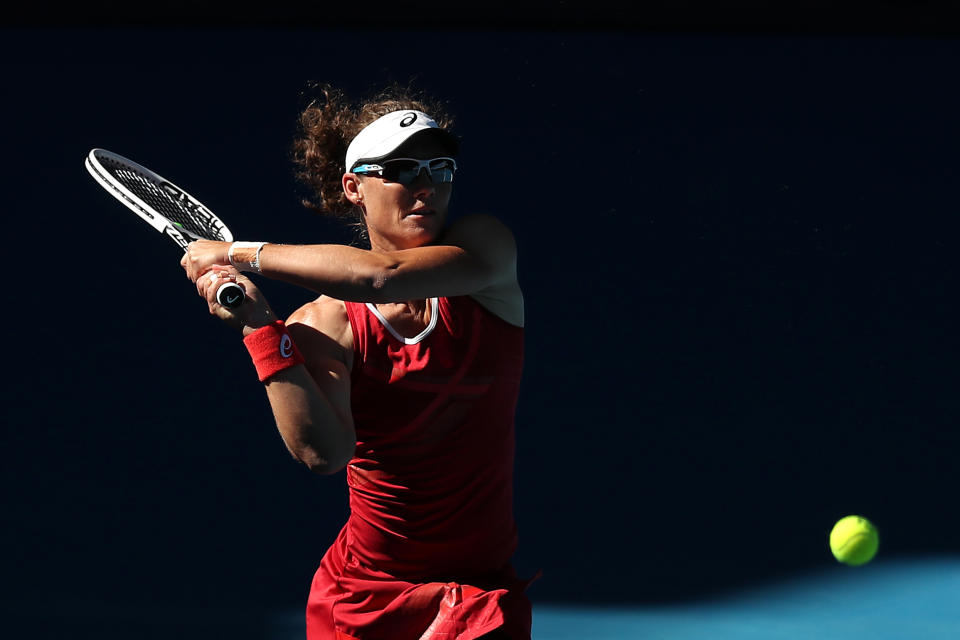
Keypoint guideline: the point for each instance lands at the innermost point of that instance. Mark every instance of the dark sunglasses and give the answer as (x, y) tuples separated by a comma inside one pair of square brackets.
[(407, 170)]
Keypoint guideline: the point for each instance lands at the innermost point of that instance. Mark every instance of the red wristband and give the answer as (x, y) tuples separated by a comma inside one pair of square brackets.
[(272, 349)]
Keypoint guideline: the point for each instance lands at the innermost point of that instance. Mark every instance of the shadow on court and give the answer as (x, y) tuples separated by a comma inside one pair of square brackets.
[(902, 598), (906, 597)]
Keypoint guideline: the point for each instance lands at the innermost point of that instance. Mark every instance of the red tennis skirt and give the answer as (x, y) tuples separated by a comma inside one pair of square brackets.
[(349, 601)]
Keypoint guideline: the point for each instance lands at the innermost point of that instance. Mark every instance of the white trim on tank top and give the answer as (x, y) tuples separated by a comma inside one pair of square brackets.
[(434, 305)]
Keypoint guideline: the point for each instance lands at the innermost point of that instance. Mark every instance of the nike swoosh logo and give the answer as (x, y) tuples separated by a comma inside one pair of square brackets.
[(233, 299)]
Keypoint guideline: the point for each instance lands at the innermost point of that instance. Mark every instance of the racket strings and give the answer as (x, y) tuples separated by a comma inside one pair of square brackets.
[(170, 202)]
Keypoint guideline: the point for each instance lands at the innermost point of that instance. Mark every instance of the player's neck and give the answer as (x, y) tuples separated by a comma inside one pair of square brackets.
[(408, 318)]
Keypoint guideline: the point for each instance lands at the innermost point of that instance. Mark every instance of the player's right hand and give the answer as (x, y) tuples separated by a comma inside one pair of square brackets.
[(254, 313)]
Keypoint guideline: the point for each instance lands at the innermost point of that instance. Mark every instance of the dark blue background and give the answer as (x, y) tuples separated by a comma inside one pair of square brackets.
[(738, 253)]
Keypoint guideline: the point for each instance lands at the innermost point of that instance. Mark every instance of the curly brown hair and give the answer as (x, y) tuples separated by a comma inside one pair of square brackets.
[(328, 124)]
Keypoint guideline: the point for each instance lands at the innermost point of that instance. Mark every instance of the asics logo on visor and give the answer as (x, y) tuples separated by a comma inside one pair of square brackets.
[(408, 120)]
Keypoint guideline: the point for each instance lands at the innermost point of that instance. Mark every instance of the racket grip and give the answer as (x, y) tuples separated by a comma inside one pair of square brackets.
[(230, 295)]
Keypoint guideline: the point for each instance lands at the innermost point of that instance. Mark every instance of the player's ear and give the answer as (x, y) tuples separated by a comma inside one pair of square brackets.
[(351, 188)]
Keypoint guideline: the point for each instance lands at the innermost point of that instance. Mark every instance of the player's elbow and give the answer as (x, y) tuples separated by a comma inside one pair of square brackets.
[(328, 467), (324, 463), (380, 281)]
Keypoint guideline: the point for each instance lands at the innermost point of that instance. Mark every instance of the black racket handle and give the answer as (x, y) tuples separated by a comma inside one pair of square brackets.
[(230, 295)]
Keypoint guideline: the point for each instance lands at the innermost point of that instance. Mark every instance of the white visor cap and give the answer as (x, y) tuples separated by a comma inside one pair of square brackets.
[(381, 137)]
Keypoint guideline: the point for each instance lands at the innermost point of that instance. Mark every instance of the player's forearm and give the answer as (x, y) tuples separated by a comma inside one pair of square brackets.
[(358, 275), (341, 272), (312, 429)]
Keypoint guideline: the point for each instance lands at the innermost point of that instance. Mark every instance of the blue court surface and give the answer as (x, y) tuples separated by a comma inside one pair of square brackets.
[(903, 598), (909, 599)]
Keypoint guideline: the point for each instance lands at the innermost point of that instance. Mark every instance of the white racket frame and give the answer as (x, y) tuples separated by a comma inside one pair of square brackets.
[(153, 217)]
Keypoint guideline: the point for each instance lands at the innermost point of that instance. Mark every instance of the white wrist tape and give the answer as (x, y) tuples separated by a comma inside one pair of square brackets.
[(245, 256)]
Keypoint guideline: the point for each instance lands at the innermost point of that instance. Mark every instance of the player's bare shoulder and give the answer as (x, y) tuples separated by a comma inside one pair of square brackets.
[(494, 244), (321, 328)]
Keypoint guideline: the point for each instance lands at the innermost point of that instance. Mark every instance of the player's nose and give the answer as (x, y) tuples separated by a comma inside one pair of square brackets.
[(423, 186)]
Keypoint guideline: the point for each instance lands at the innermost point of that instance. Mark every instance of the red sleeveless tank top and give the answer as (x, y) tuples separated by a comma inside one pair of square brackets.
[(431, 481)]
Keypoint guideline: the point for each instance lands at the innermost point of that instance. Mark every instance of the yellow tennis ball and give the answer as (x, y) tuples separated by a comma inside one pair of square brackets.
[(854, 540)]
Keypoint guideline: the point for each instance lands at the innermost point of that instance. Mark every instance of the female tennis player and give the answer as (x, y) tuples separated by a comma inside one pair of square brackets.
[(405, 371)]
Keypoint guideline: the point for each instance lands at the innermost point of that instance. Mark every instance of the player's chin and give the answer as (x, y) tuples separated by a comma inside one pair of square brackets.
[(424, 227)]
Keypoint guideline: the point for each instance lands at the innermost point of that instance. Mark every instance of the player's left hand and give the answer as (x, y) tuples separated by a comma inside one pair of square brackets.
[(202, 255)]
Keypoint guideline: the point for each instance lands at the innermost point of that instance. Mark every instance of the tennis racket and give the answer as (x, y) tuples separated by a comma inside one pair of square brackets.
[(164, 206)]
